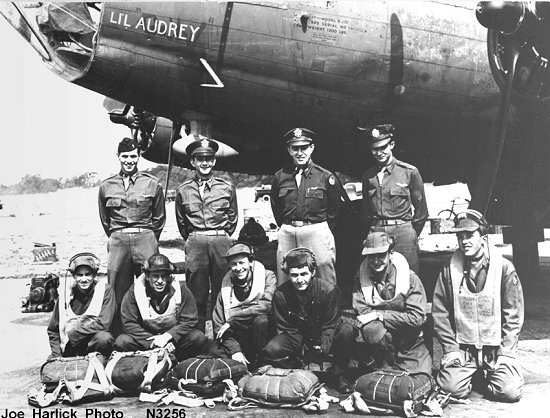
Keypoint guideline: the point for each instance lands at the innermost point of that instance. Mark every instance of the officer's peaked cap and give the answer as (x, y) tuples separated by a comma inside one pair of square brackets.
[(379, 135), (299, 136), (203, 147)]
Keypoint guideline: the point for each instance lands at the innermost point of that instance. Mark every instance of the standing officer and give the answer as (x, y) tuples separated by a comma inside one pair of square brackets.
[(393, 195), (131, 208), (478, 314), (305, 200), (206, 214)]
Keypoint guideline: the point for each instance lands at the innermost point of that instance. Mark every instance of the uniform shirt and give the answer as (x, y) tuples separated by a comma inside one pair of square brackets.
[(141, 205), (132, 323), (316, 200), (79, 304), (314, 318), (216, 210), (401, 190), (512, 306)]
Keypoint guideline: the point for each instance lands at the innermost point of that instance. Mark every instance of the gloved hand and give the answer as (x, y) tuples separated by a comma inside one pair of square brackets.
[(240, 357), (160, 341), (454, 358)]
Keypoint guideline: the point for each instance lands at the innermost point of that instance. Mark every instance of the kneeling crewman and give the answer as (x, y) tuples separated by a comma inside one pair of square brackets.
[(478, 315), (159, 312), (83, 313), (307, 319), (390, 303), (240, 318)]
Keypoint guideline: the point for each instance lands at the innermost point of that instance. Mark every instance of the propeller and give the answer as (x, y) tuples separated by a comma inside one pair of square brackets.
[(489, 168)]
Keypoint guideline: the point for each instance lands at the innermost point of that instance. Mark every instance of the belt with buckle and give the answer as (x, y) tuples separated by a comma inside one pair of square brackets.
[(133, 230), (212, 232), (389, 222), (299, 223)]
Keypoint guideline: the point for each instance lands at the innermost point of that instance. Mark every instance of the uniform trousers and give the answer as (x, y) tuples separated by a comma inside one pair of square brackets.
[(318, 238), (191, 345), (102, 342), (205, 267), (127, 252), (286, 345), (504, 383), (407, 241)]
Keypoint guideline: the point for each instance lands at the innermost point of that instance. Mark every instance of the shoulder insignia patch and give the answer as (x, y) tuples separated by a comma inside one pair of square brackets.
[(331, 180)]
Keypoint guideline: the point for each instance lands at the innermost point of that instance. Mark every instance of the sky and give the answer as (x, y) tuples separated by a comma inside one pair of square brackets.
[(49, 126)]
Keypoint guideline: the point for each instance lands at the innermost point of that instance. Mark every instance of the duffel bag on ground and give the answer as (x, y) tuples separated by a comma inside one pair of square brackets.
[(72, 380), (270, 386), (138, 371), (395, 389), (204, 375)]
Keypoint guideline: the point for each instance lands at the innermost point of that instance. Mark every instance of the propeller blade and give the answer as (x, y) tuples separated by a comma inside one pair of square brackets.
[(489, 168), (176, 128)]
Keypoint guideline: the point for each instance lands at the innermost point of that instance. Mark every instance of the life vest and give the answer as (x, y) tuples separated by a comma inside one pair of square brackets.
[(152, 320), (68, 320), (230, 302), (402, 280), (477, 315)]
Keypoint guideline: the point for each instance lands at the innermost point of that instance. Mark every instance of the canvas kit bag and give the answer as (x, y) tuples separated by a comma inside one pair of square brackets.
[(270, 386), (138, 371), (72, 380), (204, 375), (396, 390)]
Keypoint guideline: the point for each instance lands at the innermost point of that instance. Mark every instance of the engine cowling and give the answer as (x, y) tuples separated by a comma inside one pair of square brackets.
[(522, 27)]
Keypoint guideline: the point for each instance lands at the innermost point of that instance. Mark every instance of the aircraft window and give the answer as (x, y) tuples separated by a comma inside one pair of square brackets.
[(64, 34), (19, 20)]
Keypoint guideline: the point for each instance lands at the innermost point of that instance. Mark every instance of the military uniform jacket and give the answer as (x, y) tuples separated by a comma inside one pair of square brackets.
[(142, 205), (245, 310), (133, 324), (216, 210), (317, 199), (511, 305), (401, 190), (316, 321), (87, 327)]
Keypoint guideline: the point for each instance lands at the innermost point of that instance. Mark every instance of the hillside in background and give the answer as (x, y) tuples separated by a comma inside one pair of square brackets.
[(34, 183)]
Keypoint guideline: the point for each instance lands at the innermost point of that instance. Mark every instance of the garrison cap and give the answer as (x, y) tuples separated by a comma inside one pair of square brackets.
[(127, 145), (299, 136), (239, 248), (203, 147), (158, 262), (377, 243), (379, 135)]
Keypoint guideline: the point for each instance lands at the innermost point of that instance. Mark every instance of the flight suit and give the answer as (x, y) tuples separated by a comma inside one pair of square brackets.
[(304, 323), (145, 315), (133, 219), (396, 205), (206, 223), (246, 309), (307, 216), (504, 381), (401, 299), (86, 320)]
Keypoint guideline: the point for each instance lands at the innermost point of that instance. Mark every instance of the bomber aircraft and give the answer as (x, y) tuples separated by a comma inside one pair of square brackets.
[(244, 72)]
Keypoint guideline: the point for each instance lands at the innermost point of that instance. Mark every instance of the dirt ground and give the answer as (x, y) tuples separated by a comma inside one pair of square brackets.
[(70, 219)]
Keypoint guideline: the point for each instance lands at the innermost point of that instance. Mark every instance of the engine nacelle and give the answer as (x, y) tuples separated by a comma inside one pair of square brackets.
[(519, 28)]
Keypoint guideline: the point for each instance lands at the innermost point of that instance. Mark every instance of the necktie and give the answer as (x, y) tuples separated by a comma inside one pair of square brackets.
[(298, 176), (380, 174)]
